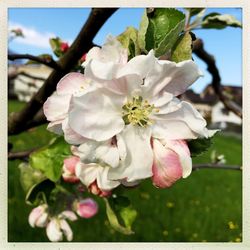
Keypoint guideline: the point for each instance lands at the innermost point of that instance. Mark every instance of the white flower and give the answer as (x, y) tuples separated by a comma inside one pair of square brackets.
[(139, 103), (58, 226), (39, 216)]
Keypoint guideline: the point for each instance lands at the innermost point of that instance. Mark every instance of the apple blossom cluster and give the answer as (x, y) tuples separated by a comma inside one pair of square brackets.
[(57, 225), (124, 120)]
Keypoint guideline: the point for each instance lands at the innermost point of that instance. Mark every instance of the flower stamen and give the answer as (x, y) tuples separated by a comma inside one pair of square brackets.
[(137, 112)]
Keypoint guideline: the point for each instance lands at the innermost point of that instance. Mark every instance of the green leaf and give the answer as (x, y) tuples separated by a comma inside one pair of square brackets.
[(39, 192), (128, 215), (50, 159), (217, 21), (129, 40), (182, 49), (46, 57), (113, 220), (199, 146), (160, 29), (55, 44), (29, 176), (194, 11)]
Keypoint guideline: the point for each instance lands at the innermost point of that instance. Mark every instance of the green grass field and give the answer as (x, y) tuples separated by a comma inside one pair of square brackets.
[(206, 207)]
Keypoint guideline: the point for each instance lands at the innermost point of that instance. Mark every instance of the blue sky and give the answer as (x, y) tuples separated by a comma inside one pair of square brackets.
[(41, 24)]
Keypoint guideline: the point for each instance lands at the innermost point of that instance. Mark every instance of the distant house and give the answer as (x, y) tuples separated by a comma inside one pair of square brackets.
[(212, 109), (25, 80)]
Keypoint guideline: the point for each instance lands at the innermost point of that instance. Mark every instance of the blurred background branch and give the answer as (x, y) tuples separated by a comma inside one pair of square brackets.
[(198, 49)]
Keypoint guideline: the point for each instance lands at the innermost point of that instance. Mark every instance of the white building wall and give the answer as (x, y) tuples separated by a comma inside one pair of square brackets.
[(219, 116)]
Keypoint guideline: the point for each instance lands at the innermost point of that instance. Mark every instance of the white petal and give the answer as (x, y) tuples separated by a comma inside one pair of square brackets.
[(56, 107), (67, 214), (97, 115), (185, 123), (71, 83), (100, 70), (56, 127), (103, 182), (87, 173), (126, 85), (53, 231), (70, 135), (181, 77), (108, 154), (66, 230), (139, 159), (139, 65)]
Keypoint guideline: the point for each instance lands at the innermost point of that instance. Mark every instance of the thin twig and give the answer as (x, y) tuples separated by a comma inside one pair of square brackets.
[(216, 166), (31, 76), (48, 62), (198, 49), (20, 155), (80, 46)]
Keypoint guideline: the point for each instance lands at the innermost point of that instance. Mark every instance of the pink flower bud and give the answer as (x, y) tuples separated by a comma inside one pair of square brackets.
[(171, 162), (38, 216), (64, 47), (83, 58), (86, 208), (69, 169), (94, 189)]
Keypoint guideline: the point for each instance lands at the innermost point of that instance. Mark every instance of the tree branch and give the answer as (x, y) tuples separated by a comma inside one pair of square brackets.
[(198, 49), (81, 45), (20, 155), (48, 62), (216, 166)]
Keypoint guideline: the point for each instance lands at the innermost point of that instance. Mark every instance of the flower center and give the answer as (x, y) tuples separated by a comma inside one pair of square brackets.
[(137, 112)]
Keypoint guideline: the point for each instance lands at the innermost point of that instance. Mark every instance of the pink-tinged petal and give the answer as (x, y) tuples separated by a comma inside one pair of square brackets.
[(53, 231), (87, 208), (35, 214), (67, 214), (167, 167), (66, 230), (181, 148), (56, 107), (94, 189), (70, 164), (70, 178), (71, 84), (42, 220), (99, 121)]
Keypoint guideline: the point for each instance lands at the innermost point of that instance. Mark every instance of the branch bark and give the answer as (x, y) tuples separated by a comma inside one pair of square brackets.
[(20, 155), (50, 63), (198, 49), (81, 45)]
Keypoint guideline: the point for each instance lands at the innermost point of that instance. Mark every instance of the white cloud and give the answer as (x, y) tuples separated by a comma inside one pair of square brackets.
[(32, 36)]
